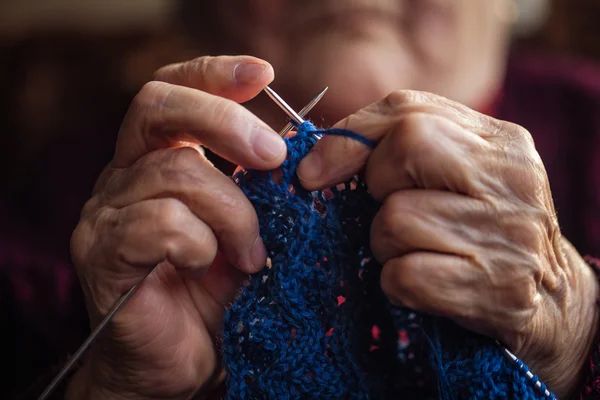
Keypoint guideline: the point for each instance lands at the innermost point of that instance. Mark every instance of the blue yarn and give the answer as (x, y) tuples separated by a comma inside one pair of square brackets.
[(315, 323), (346, 133)]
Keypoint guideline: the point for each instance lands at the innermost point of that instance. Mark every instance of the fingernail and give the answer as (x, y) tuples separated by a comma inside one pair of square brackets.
[(258, 255), (267, 145), (311, 167), (248, 73)]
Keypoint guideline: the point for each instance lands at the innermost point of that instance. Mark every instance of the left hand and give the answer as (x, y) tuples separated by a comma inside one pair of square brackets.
[(467, 229)]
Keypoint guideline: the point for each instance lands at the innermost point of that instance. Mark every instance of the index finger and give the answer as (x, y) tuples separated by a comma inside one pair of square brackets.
[(237, 78), (163, 114), (335, 159)]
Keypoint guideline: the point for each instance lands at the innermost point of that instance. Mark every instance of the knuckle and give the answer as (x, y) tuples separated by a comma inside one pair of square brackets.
[(515, 132), (524, 299), (171, 214), (524, 174), (181, 173), (90, 206), (164, 73), (183, 159), (200, 65), (522, 133), (81, 242), (151, 90), (89, 235), (151, 94), (398, 98)]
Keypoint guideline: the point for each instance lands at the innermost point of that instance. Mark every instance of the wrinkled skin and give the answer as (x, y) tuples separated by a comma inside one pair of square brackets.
[(467, 230), (160, 201)]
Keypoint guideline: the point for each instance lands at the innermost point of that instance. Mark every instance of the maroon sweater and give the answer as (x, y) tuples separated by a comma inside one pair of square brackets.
[(557, 100)]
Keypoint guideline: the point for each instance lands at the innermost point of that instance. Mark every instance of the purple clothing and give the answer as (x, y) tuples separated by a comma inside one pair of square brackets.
[(557, 100)]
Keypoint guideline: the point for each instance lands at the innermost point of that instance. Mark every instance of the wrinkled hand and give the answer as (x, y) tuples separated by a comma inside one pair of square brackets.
[(160, 201), (467, 229)]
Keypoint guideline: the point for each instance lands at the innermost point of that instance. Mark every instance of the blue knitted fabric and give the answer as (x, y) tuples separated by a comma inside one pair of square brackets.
[(314, 323)]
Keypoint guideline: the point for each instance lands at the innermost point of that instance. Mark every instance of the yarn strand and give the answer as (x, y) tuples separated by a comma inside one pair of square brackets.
[(314, 322)]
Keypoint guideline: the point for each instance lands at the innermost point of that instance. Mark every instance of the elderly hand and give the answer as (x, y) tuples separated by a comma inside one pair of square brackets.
[(467, 229), (161, 202)]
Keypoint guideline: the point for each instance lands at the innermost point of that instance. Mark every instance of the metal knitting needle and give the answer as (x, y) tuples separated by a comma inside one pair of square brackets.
[(293, 115), (298, 119), (529, 375), (125, 297), (77, 356), (304, 111), (284, 106)]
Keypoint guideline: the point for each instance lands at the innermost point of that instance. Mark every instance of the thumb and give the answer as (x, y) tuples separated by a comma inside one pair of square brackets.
[(335, 159)]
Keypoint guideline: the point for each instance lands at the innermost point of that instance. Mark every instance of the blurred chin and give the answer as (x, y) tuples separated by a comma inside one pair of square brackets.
[(357, 70)]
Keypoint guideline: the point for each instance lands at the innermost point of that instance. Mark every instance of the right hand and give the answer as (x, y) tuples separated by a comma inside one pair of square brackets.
[(161, 202)]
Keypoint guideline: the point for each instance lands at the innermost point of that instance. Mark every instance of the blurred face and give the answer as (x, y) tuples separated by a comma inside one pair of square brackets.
[(363, 49)]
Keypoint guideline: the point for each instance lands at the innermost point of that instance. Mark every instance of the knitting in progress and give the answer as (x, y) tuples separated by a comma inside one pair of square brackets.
[(315, 324)]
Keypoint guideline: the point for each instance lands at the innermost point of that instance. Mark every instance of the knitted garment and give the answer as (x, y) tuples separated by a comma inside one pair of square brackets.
[(315, 324)]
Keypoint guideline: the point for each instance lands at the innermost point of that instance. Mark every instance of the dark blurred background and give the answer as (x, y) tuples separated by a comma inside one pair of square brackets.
[(69, 68)]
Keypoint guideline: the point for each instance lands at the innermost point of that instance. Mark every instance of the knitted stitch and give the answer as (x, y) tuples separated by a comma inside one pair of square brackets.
[(315, 324)]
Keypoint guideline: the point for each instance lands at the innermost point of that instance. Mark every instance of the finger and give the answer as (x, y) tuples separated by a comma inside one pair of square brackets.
[(145, 234), (429, 152), (238, 78), (335, 159), (123, 245), (426, 220), (211, 196), (460, 289), (433, 283), (163, 114), (216, 291)]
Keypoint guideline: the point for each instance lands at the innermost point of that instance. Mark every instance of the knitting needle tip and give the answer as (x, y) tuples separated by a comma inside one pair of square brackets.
[(284, 106), (304, 111)]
